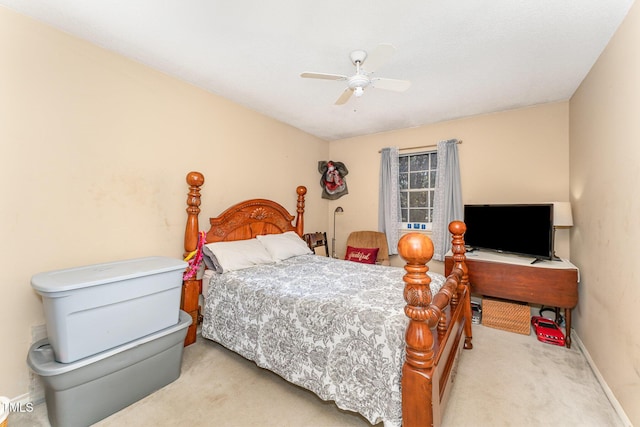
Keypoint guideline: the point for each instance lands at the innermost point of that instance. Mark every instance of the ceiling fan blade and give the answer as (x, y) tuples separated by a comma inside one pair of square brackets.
[(324, 76), (378, 57), (391, 84), (344, 97)]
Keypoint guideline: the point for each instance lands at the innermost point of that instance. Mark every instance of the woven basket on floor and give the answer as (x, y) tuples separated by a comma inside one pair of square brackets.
[(506, 315)]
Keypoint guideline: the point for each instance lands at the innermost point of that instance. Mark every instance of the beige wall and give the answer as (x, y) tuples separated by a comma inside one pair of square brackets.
[(518, 156), (95, 150), (605, 177)]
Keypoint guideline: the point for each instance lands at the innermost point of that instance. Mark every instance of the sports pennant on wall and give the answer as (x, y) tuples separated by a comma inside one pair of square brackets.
[(332, 182)]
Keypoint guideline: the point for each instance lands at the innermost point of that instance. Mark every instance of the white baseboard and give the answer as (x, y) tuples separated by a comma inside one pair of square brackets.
[(22, 403), (22, 399), (605, 387)]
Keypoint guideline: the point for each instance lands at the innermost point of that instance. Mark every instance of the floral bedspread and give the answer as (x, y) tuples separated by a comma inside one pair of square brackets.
[(331, 326)]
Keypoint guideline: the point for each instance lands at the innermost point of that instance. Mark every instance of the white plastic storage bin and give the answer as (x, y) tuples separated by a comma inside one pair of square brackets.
[(88, 390), (94, 308)]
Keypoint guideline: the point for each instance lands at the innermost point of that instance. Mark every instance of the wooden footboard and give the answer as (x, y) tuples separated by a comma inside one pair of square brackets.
[(436, 327)]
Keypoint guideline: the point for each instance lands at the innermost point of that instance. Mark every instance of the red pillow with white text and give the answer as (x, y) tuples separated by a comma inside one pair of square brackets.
[(363, 255)]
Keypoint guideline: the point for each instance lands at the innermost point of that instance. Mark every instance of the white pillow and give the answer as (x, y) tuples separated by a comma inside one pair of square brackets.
[(236, 255), (285, 245)]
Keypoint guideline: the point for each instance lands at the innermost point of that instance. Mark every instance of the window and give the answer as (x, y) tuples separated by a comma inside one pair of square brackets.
[(417, 178)]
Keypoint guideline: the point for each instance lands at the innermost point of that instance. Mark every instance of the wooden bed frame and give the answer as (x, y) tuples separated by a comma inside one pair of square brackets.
[(436, 324)]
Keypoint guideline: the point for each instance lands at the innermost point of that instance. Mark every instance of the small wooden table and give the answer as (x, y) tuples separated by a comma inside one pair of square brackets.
[(550, 283)]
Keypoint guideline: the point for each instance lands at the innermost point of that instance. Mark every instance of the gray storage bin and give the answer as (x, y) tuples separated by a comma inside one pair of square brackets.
[(97, 307), (88, 390)]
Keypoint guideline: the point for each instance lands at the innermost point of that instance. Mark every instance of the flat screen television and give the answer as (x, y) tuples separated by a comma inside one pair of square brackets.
[(522, 229)]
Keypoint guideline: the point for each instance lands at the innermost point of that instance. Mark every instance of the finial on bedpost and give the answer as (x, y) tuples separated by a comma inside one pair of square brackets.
[(457, 230), (417, 250), (301, 190), (195, 181)]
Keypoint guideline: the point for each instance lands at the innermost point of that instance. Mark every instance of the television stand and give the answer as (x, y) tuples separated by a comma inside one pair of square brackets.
[(549, 283)]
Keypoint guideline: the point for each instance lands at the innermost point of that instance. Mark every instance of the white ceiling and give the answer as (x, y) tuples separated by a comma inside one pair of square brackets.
[(463, 57)]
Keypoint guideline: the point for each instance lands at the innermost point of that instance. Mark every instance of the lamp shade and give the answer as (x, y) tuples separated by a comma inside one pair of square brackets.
[(562, 216)]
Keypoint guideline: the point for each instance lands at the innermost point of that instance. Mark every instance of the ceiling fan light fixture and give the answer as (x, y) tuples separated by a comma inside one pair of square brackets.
[(358, 81), (358, 91)]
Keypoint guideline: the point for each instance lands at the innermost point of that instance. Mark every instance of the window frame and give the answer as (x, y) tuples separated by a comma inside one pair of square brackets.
[(431, 173)]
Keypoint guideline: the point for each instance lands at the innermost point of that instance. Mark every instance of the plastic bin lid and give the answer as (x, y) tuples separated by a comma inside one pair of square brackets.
[(41, 358), (98, 274)]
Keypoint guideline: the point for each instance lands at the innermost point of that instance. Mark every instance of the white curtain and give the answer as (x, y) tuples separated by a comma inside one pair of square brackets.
[(389, 198), (447, 204)]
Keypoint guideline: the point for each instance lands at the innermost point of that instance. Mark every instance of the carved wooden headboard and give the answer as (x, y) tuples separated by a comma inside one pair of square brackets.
[(251, 218), (243, 220)]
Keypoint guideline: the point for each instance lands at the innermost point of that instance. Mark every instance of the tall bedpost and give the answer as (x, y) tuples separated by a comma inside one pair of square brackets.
[(417, 372), (457, 230), (189, 301), (195, 181), (301, 190)]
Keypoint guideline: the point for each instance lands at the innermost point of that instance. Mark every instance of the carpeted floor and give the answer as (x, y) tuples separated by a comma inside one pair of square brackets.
[(506, 380), (510, 379)]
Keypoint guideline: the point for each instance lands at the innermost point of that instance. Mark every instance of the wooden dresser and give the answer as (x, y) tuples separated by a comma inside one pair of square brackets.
[(549, 283)]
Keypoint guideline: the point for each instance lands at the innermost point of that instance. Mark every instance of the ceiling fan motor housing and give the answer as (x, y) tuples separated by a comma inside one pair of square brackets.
[(359, 80)]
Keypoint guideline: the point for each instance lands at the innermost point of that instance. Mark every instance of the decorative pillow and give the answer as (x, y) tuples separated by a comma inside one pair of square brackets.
[(236, 255), (363, 255), (285, 245)]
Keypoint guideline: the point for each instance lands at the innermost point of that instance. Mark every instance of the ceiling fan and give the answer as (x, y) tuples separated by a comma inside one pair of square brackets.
[(363, 77)]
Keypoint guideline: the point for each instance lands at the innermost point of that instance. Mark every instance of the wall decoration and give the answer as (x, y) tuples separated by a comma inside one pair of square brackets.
[(332, 182)]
